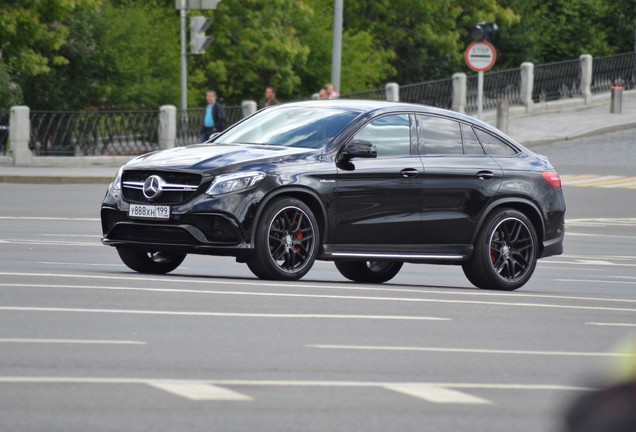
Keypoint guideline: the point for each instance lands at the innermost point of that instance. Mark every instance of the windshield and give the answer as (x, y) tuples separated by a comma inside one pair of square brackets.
[(290, 127)]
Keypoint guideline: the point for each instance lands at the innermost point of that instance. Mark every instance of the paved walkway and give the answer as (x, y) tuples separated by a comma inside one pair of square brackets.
[(530, 130)]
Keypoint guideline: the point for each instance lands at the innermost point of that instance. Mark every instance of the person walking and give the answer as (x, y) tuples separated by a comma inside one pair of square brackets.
[(270, 97), (331, 91), (323, 94), (213, 117)]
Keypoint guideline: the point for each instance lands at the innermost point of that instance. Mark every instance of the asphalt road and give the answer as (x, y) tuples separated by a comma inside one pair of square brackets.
[(86, 344)]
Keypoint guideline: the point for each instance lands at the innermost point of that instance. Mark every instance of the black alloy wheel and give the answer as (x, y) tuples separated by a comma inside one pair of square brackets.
[(505, 254), (154, 262), (369, 271), (286, 241)]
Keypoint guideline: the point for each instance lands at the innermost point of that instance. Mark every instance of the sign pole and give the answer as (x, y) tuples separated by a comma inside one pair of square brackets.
[(480, 56), (480, 94), (184, 64)]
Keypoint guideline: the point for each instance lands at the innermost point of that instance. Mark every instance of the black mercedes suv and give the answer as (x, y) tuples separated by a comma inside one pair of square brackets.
[(368, 185)]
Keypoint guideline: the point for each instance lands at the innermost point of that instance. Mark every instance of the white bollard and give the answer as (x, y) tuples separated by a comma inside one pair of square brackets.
[(249, 108), (527, 85), (19, 133), (167, 126), (392, 92), (459, 92), (586, 77)]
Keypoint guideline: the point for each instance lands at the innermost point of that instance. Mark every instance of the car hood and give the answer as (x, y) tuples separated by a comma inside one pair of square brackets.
[(206, 157)]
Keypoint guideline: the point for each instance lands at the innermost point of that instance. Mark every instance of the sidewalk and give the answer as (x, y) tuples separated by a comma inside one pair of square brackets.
[(574, 122), (537, 129)]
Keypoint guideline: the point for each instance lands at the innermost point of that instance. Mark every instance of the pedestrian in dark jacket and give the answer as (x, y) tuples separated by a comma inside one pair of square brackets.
[(213, 117)]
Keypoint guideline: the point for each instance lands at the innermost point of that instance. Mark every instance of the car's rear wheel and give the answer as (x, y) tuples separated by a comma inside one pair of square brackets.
[(369, 271), (505, 254), (155, 262), (286, 241)]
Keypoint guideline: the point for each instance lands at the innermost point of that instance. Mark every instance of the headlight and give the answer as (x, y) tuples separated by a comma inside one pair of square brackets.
[(117, 181), (226, 183)]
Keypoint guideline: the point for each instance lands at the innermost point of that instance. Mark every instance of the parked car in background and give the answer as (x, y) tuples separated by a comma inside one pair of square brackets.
[(369, 185)]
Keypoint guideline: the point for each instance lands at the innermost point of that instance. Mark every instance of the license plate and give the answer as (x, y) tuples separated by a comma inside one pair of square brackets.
[(149, 211)]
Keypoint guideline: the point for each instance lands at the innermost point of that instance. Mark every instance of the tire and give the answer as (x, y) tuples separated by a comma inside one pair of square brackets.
[(369, 271), (505, 253), (286, 241), (155, 262)]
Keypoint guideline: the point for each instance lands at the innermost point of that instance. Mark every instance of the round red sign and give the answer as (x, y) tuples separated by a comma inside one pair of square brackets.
[(480, 56)]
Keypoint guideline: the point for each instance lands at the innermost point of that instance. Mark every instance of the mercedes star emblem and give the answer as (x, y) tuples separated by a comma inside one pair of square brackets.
[(152, 187)]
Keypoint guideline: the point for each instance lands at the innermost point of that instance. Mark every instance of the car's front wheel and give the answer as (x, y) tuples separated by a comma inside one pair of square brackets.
[(369, 271), (505, 253), (286, 241), (155, 262)]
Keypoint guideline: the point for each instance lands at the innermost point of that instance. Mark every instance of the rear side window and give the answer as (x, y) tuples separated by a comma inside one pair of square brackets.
[(494, 146), (439, 136), (391, 135), (471, 143)]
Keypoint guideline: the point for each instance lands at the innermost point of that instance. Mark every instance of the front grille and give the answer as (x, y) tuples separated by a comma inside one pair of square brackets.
[(176, 187)]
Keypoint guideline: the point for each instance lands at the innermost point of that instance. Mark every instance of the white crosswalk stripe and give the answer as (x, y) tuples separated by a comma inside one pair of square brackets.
[(600, 181)]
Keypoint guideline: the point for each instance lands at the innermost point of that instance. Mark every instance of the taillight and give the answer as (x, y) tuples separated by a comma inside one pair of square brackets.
[(552, 177)]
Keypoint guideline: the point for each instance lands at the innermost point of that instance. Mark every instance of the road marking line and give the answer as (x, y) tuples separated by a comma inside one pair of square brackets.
[(317, 296), (223, 314), (437, 394), (200, 391), (72, 341), (567, 178), (93, 236), (614, 182), (597, 281), (469, 350), (260, 283), (611, 324), (50, 242), (284, 383), (44, 218), (591, 181)]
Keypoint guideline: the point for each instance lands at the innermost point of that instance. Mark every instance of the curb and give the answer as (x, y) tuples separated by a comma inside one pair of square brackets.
[(54, 179)]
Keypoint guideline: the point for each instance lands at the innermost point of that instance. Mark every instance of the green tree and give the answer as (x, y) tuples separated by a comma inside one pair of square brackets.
[(32, 32), (556, 30), (140, 48), (10, 92), (428, 37)]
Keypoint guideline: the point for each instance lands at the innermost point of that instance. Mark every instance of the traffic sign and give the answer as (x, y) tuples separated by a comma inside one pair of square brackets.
[(480, 56)]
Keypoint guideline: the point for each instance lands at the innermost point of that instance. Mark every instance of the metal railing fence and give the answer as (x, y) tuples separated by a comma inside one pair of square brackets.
[(438, 93), (504, 84), (557, 80), (377, 94), (4, 132), (94, 133), (613, 70)]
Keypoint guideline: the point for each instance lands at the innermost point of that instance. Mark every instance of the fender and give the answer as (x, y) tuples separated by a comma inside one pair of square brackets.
[(515, 201), (293, 191)]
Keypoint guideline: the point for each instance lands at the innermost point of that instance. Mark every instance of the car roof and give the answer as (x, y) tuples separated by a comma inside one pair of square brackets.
[(371, 107)]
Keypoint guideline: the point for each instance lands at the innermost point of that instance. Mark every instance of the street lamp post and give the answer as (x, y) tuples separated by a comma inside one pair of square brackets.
[(336, 56)]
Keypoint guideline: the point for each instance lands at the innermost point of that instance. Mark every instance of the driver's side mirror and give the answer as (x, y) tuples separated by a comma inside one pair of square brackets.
[(359, 149)]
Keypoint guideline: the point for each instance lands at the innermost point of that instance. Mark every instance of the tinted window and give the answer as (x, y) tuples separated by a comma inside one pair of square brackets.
[(390, 134), (471, 143), (291, 127), (439, 136), (494, 146)]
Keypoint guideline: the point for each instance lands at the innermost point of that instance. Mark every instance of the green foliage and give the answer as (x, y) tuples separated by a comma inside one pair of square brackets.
[(124, 54), (139, 45), (10, 92), (33, 31)]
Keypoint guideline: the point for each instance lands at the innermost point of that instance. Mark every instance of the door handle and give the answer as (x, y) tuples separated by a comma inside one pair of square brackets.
[(485, 175), (409, 172)]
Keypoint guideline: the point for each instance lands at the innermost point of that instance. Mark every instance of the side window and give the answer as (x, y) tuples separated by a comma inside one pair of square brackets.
[(494, 146), (439, 136), (390, 134), (471, 143)]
